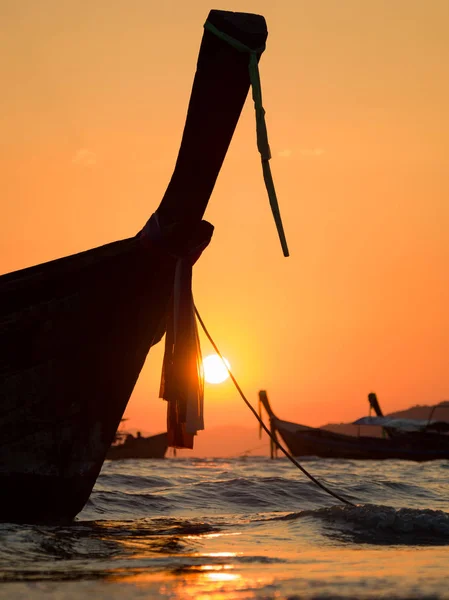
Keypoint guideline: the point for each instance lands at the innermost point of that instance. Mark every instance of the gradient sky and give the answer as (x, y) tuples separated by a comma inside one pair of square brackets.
[(93, 102)]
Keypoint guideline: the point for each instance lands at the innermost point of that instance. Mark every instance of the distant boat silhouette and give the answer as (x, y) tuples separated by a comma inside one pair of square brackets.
[(127, 445), (407, 441), (75, 332)]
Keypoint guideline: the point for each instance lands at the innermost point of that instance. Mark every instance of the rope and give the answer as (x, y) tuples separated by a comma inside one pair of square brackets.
[(262, 424), (261, 126)]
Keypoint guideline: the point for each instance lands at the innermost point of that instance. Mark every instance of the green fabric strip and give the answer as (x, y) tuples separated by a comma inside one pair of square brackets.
[(261, 127)]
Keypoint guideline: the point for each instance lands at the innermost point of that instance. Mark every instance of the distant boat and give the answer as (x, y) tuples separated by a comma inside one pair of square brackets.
[(127, 445), (75, 332), (405, 441)]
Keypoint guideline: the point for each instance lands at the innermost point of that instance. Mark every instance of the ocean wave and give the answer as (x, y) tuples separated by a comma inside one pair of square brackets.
[(222, 494), (132, 482), (191, 518), (370, 523), (212, 487)]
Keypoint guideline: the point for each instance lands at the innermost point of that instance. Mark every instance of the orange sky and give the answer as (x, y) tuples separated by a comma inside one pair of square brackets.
[(93, 103)]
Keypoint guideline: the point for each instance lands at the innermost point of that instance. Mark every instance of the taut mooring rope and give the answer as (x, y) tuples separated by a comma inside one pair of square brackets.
[(262, 424)]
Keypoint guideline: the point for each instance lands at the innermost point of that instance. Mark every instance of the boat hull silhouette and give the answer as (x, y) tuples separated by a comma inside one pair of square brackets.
[(302, 440), (310, 441), (75, 332)]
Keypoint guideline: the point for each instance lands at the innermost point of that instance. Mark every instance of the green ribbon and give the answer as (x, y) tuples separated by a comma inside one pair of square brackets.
[(261, 127)]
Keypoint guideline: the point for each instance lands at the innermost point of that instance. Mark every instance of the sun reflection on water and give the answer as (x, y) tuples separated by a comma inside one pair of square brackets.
[(214, 567), (206, 582), (218, 554), (205, 536), (223, 576)]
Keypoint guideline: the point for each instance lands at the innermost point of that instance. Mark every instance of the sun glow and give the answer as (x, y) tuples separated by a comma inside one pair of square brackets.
[(214, 369)]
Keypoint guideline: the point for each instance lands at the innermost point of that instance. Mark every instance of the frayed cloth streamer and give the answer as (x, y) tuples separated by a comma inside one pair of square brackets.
[(182, 381), (261, 127)]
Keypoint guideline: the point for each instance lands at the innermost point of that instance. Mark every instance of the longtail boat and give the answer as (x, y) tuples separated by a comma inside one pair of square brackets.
[(128, 446), (401, 442), (75, 332)]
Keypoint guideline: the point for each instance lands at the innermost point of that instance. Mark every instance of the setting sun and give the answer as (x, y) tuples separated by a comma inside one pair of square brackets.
[(214, 369)]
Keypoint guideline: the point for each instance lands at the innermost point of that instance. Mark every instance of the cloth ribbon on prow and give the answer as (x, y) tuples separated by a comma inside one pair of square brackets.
[(261, 126), (182, 380)]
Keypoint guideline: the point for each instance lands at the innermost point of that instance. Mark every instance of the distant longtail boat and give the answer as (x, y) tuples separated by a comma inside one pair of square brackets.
[(75, 331), (128, 446), (405, 439)]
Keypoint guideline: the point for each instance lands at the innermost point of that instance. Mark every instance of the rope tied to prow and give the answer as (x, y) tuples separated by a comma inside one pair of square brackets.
[(261, 126)]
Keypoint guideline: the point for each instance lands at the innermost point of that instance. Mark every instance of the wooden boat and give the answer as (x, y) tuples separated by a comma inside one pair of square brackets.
[(75, 331), (301, 440), (130, 446)]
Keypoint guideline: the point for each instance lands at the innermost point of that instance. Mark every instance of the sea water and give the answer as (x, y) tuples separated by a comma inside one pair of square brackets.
[(218, 529)]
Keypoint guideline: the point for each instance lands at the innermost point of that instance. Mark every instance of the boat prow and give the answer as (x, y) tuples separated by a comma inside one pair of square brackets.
[(75, 332)]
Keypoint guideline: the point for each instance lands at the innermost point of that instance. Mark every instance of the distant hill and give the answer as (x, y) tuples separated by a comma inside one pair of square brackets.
[(421, 412)]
